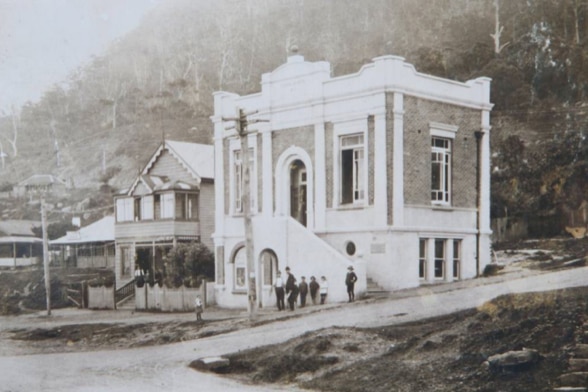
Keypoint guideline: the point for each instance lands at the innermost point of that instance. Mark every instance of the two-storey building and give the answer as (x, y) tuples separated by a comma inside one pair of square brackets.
[(386, 170), (171, 201)]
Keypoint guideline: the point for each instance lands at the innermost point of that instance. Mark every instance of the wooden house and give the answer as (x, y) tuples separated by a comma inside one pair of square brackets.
[(171, 201)]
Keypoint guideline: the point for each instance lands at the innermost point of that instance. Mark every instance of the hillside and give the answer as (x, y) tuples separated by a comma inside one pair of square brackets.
[(158, 82)]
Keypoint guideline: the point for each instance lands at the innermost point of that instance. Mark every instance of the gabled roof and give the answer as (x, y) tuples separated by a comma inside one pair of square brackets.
[(42, 180), (99, 231), (22, 228), (197, 159)]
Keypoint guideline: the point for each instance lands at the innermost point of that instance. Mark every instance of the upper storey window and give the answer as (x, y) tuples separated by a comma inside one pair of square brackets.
[(440, 170), (238, 180), (352, 168), (442, 136)]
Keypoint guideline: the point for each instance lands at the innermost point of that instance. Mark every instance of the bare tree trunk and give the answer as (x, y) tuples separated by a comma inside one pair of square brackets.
[(577, 6), (55, 143), (2, 155), (497, 29), (15, 128), (114, 114)]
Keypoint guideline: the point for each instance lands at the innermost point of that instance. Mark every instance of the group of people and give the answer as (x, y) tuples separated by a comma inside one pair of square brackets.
[(292, 289)]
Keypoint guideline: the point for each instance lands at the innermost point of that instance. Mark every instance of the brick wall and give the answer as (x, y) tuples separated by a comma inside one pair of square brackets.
[(226, 174), (259, 160), (370, 158), (417, 150), (329, 163), (389, 154)]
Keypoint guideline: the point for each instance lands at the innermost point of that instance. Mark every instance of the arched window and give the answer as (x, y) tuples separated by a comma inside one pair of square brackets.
[(240, 270)]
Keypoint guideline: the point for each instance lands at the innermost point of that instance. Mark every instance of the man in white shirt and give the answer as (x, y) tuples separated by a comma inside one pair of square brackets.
[(279, 287)]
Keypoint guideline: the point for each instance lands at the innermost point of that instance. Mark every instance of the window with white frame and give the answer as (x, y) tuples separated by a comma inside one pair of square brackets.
[(124, 209), (167, 205), (422, 259), (147, 207), (238, 175), (352, 168), (186, 206), (456, 258), (440, 170), (137, 208), (240, 270), (439, 258)]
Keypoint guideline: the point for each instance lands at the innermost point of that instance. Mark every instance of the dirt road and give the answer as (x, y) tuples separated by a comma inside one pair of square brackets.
[(166, 367)]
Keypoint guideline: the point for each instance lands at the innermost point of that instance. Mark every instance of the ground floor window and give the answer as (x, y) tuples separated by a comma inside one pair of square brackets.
[(422, 259), (240, 268), (439, 258), (456, 258)]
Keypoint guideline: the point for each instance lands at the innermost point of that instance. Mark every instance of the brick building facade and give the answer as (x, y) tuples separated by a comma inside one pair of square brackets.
[(386, 170)]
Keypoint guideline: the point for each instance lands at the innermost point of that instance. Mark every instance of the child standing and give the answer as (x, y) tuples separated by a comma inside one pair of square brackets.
[(314, 288), (324, 289), (199, 308), (303, 289)]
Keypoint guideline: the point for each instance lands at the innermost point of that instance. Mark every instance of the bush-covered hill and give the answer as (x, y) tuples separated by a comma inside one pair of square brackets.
[(158, 82)]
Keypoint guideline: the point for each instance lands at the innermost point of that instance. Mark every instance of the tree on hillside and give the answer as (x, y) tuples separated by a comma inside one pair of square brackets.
[(498, 29)]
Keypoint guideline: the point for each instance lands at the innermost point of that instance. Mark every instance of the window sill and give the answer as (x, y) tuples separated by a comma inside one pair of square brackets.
[(240, 292), (351, 206), (442, 207), (158, 220), (241, 214)]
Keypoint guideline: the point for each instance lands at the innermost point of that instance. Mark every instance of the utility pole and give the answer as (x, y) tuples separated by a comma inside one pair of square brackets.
[(241, 124), (46, 255)]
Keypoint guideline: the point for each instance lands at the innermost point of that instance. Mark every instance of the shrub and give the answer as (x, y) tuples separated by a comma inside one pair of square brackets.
[(188, 264)]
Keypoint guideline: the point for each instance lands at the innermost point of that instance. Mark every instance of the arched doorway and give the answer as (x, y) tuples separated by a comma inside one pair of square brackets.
[(298, 191), (268, 263), (294, 186)]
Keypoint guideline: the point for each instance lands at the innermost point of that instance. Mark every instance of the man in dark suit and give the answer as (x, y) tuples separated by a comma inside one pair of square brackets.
[(291, 288)]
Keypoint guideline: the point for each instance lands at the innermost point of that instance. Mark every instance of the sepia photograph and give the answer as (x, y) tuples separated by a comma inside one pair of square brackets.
[(294, 195)]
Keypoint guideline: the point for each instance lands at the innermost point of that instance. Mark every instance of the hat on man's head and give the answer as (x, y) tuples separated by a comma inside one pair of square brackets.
[(350, 268), (287, 268)]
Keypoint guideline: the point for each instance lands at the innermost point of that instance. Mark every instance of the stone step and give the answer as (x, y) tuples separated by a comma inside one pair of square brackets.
[(373, 287), (578, 364), (574, 379), (127, 303)]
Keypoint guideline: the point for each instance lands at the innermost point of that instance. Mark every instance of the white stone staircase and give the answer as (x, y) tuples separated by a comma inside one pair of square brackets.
[(307, 254), (374, 289)]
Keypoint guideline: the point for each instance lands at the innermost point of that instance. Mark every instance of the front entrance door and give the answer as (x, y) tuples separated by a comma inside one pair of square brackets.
[(298, 199), (268, 267)]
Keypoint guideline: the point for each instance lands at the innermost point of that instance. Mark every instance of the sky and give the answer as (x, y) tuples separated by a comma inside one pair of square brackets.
[(42, 41)]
